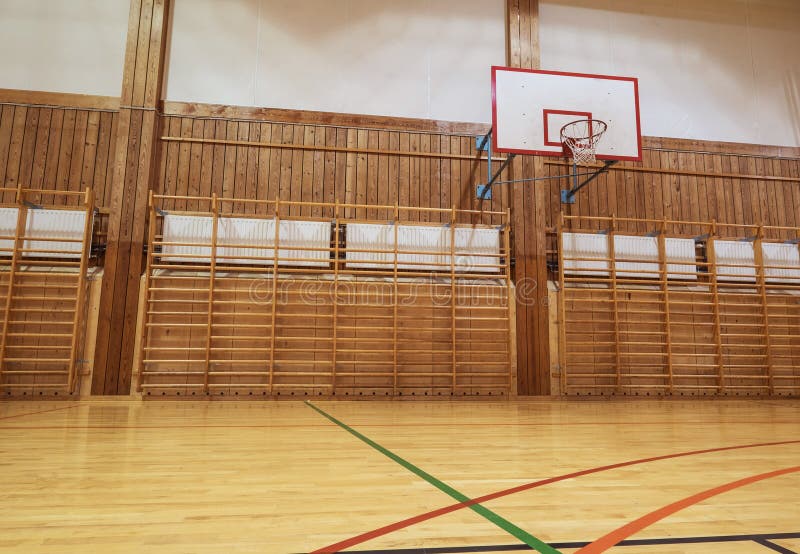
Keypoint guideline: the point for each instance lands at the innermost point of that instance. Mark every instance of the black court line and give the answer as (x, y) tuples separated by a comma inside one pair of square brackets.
[(775, 547), (762, 539)]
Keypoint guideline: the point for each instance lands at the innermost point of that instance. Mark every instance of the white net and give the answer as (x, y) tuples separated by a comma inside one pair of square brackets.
[(581, 137)]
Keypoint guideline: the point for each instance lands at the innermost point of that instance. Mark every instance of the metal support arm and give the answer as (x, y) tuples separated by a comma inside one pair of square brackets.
[(568, 196), (484, 189)]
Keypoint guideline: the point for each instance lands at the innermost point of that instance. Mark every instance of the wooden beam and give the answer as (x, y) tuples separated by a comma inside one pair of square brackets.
[(686, 173), (134, 163), (59, 99), (316, 148), (307, 117), (528, 215)]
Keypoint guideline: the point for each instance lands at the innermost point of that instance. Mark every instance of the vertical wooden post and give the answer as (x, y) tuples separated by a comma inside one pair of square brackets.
[(151, 239), (394, 297), (510, 299), (761, 276), (274, 291), (529, 221), (81, 292), (19, 234), (612, 266), (212, 275), (711, 258), (562, 305), (453, 295), (135, 164), (336, 236), (664, 275)]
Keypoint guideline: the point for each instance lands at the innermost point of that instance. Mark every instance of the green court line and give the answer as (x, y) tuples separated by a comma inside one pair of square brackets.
[(497, 519)]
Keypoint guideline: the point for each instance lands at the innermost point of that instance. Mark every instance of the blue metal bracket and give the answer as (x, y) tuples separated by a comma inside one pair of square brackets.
[(483, 144), (484, 192), (568, 196)]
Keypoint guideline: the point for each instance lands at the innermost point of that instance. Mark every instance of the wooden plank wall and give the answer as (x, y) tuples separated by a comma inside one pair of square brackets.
[(33, 128), (56, 141), (249, 171), (674, 187)]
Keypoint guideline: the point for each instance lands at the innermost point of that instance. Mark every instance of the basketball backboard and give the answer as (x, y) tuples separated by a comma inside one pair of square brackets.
[(529, 108)]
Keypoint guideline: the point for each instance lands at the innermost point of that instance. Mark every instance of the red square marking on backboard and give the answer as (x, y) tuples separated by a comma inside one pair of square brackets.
[(546, 113)]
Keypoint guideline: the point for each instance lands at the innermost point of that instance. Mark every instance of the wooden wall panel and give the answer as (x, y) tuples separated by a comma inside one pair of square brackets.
[(53, 141), (225, 163), (67, 142), (690, 185)]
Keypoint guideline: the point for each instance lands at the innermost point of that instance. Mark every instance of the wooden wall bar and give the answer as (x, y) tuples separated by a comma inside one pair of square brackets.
[(693, 329), (216, 324)]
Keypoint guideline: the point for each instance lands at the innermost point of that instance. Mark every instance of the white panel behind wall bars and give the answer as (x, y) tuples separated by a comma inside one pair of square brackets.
[(640, 253), (591, 248), (476, 246), (8, 227), (187, 229), (366, 236), (248, 238), (471, 243), (732, 253), (43, 223), (435, 240), (785, 255)]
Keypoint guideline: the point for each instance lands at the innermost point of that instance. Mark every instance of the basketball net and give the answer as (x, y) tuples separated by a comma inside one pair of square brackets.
[(581, 137)]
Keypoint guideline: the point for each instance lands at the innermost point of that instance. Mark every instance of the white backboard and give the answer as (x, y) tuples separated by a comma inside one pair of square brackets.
[(529, 107)]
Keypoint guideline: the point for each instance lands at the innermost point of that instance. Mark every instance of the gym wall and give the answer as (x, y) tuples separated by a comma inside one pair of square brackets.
[(76, 46), (67, 141)]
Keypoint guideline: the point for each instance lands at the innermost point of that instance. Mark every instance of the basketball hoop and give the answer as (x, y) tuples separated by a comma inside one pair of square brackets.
[(581, 137)]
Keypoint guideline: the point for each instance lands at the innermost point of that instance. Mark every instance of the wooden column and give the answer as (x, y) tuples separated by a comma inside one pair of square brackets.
[(528, 216), (134, 164)]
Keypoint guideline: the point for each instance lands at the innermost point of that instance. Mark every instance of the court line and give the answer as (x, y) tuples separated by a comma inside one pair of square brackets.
[(776, 547), (408, 522), (498, 520), (760, 538), (610, 539), (40, 412)]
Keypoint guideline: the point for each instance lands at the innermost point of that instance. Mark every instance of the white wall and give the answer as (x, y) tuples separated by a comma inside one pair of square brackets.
[(410, 58), (73, 46), (726, 70)]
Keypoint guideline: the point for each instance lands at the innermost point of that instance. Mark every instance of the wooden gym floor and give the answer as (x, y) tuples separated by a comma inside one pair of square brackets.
[(211, 477)]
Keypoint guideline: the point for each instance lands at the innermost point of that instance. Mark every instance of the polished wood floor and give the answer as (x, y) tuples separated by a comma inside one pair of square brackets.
[(113, 476)]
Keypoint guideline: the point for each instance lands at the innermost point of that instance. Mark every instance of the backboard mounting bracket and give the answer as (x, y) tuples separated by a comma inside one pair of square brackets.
[(568, 196)]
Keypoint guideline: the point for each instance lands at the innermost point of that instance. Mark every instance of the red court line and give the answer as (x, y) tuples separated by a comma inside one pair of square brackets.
[(380, 531), (391, 425), (617, 535), (40, 412)]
